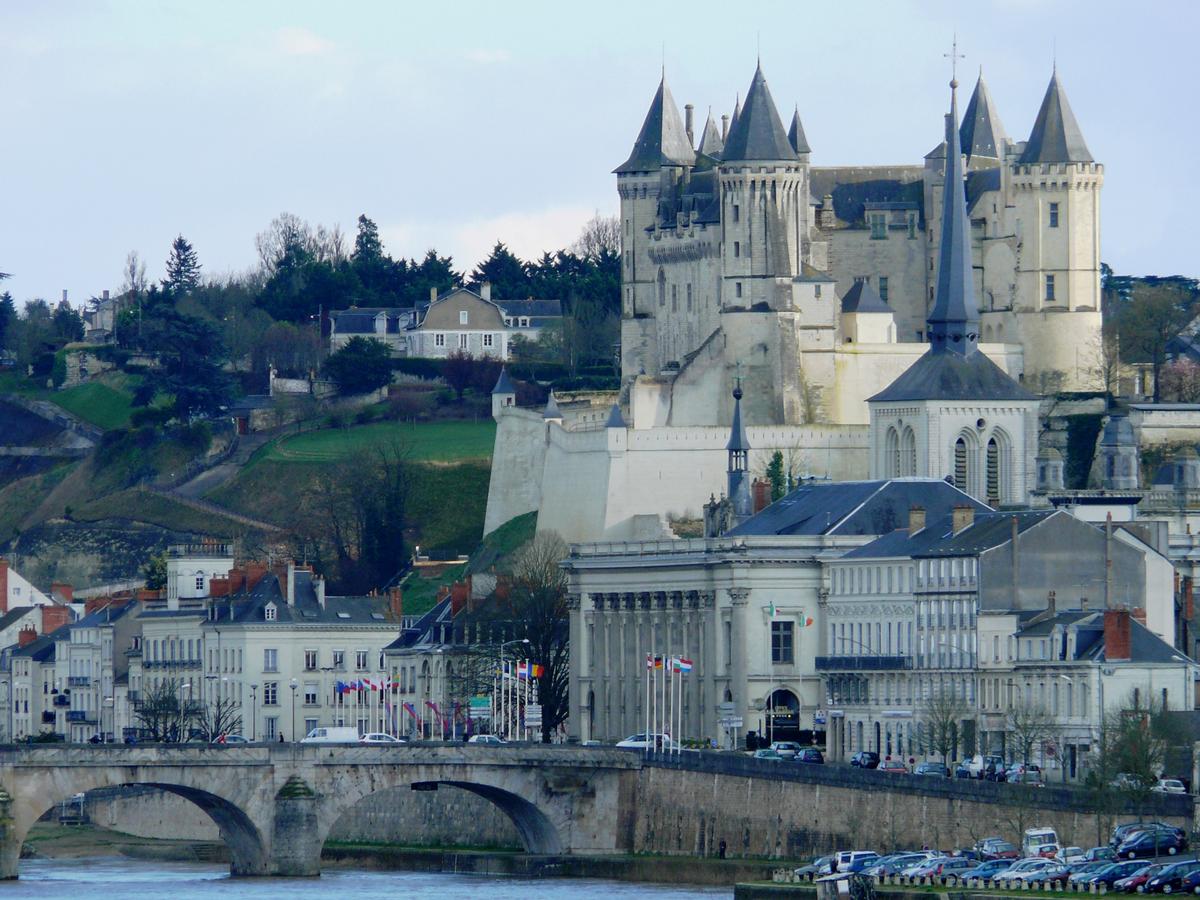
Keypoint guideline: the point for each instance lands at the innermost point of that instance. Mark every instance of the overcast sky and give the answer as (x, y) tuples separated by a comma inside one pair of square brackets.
[(455, 124)]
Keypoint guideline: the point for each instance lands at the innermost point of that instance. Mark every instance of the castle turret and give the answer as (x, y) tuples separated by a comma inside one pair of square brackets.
[(738, 450), (552, 413), (1049, 470), (504, 394), (1056, 206), (981, 133), (1119, 457), (712, 144), (797, 138)]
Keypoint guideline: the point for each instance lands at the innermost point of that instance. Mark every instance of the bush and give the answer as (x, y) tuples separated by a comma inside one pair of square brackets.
[(196, 437), (588, 383), (58, 371), (422, 368), (361, 366), (149, 417)]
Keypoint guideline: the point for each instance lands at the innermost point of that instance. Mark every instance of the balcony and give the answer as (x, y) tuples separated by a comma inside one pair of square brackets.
[(863, 663), (79, 680), (80, 715), (47, 717), (135, 696), (62, 700)]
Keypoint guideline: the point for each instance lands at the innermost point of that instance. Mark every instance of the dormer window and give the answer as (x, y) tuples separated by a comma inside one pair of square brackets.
[(270, 612)]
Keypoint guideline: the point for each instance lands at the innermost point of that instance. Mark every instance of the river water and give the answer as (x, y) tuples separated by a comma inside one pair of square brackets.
[(115, 878)]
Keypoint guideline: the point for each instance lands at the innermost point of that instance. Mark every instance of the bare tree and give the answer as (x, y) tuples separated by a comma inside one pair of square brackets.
[(1104, 360), (161, 713), (1029, 724), (601, 234), (217, 717), (942, 717), (1180, 381)]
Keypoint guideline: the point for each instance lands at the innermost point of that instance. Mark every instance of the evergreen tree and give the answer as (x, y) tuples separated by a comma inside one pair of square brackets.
[(183, 267), (361, 366), (508, 275), (68, 324), (367, 246), (775, 475), (8, 314)]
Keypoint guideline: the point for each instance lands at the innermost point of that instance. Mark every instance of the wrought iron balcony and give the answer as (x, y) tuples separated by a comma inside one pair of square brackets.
[(48, 717), (863, 663), (79, 680), (62, 700), (80, 715)]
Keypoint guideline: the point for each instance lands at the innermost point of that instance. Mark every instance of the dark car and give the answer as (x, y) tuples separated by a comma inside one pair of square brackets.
[(1130, 883), (932, 769), (865, 759), (1082, 871), (1153, 840), (1113, 872), (995, 848), (1190, 883), (1170, 879), (987, 870), (1096, 854), (813, 869), (961, 771), (810, 755), (893, 864), (1123, 830)]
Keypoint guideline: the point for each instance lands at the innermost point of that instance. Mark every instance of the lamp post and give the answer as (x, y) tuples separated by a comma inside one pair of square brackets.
[(110, 705), (293, 684), (503, 688), (183, 708), (253, 709)]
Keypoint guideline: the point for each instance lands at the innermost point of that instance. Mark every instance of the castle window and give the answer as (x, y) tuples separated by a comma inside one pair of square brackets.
[(662, 288), (737, 212), (737, 249), (1053, 215), (878, 227), (912, 226), (883, 288), (1049, 288), (674, 298), (817, 291), (737, 289), (689, 298), (782, 642), (439, 340)]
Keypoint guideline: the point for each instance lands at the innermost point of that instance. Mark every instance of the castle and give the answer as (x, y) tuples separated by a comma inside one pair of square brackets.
[(816, 289)]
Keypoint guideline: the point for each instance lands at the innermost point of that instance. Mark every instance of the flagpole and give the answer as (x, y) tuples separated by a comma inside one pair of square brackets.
[(646, 705)]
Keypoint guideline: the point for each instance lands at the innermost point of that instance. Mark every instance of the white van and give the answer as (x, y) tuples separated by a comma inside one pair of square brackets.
[(1036, 839), (331, 735)]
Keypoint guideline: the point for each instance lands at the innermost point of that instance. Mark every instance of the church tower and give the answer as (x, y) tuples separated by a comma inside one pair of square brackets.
[(1055, 190), (661, 157), (738, 470), (954, 413)]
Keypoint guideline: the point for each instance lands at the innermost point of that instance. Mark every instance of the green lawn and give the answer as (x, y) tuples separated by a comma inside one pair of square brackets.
[(433, 441), (96, 402)]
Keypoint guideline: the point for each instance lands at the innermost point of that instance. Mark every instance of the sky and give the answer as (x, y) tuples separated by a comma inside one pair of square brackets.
[(454, 125)]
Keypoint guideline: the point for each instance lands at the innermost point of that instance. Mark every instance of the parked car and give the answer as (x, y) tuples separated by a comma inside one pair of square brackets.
[(1081, 872), (986, 871), (1070, 855), (1190, 883), (814, 868), (1169, 786), (1122, 831), (931, 769), (865, 759), (378, 737), (1113, 872), (1126, 781), (1096, 854), (1037, 837), (894, 766), (949, 867), (332, 734), (786, 749), (231, 739), (1048, 851), (978, 765), (1152, 841), (1170, 879), (1130, 883), (654, 741), (893, 864), (491, 739), (996, 848), (854, 860), (768, 753), (810, 755), (961, 771), (1031, 870)]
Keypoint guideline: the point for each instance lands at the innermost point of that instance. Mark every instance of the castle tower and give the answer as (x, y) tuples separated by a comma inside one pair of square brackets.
[(954, 413), (660, 159), (1120, 461), (738, 450), (764, 199), (1049, 470), (504, 394), (1055, 185), (981, 134)]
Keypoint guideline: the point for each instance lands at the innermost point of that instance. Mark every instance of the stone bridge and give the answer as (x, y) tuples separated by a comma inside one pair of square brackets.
[(275, 803)]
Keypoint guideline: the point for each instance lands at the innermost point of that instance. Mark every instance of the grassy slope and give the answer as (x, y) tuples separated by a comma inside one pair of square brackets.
[(106, 403), (437, 441), (155, 509)]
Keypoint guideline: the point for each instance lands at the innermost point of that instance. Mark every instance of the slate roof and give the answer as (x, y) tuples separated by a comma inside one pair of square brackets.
[(15, 615), (855, 507), (851, 194), (710, 141), (862, 298), (796, 134), (758, 132), (948, 376), (615, 419), (551, 411), (361, 320), (42, 649), (104, 616), (937, 539), (979, 182), (1056, 137), (981, 132), (737, 428), (1144, 645), (421, 630), (1118, 432), (1046, 626), (248, 607), (504, 384), (533, 307), (663, 141)]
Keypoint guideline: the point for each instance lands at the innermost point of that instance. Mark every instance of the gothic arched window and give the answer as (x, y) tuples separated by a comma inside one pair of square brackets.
[(960, 464), (993, 471), (662, 288), (908, 453), (891, 464)]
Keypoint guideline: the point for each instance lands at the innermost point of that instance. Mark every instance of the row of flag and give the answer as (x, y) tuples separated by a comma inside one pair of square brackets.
[(679, 664), (365, 684)]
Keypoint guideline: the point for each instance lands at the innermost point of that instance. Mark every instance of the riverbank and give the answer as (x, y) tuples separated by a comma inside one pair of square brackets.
[(54, 841)]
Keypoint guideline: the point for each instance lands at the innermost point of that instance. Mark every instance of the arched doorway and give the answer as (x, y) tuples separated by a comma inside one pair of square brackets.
[(783, 716)]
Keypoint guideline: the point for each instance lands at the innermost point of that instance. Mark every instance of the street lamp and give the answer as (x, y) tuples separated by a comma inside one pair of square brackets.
[(253, 708), (109, 704), (293, 685), (183, 708)]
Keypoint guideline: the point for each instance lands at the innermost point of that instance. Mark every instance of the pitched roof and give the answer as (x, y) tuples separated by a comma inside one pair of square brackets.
[(537, 307), (796, 134), (862, 298), (981, 132), (504, 384), (615, 419), (710, 141), (948, 376), (248, 607), (1056, 137), (15, 615), (758, 132), (551, 411), (856, 507), (663, 141)]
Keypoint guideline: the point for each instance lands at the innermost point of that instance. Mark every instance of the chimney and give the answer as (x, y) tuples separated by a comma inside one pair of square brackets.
[(964, 517), (689, 118), (3, 585), (761, 492), (724, 128), (433, 295), (1116, 635), (254, 574), (26, 636), (1139, 613), (1083, 603), (442, 592), (1051, 605), (1189, 606), (104, 294), (320, 586), (396, 603), (218, 586), (485, 290), (458, 597), (916, 519), (54, 617), (64, 299), (290, 588)]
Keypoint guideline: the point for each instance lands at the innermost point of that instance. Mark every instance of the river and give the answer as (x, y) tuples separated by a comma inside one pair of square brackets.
[(115, 877)]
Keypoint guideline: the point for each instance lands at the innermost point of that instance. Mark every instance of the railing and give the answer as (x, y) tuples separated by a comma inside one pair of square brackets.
[(62, 700), (80, 715), (79, 680), (862, 663)]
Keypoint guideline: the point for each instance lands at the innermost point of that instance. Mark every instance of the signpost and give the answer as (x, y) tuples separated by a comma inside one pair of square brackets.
[(533, 716)]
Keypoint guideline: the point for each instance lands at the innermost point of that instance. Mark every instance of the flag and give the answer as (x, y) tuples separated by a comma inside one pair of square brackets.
[(685, 665), (806, 623), (339, 687), (658, 662), (432, 706), (771, 609), (675, 664), (649, 661), (536, 671), (522, 670)]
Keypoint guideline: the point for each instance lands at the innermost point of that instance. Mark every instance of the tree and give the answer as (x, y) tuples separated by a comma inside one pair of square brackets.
[(459, 371), (539, 604), (601, 237), (360, 366), (1029, 724), (941, 717), (192, 355), (776, 476), (1138, 737), (155, 571), (1157, 311), (218, 716), (508, 276), (1179, 381), (67, 323), (161, 714), (8, 315), (183, 267), (1104, 359), (367, 246)]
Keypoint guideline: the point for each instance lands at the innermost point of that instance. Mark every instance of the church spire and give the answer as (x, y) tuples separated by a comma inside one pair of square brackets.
[(796, 134), (1056, 137), (954, 321), (663, 140), (738, 450), (981, 132)]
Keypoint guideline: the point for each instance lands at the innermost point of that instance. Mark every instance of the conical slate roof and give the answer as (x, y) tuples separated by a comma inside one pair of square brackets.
[(710, 142), (663, 140), (504, 385), (796, 134), (737, 430), (758, 132), (981, 132), (551, 411), (1056, 137), (737, 114), (615, 419), (862, 298)]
